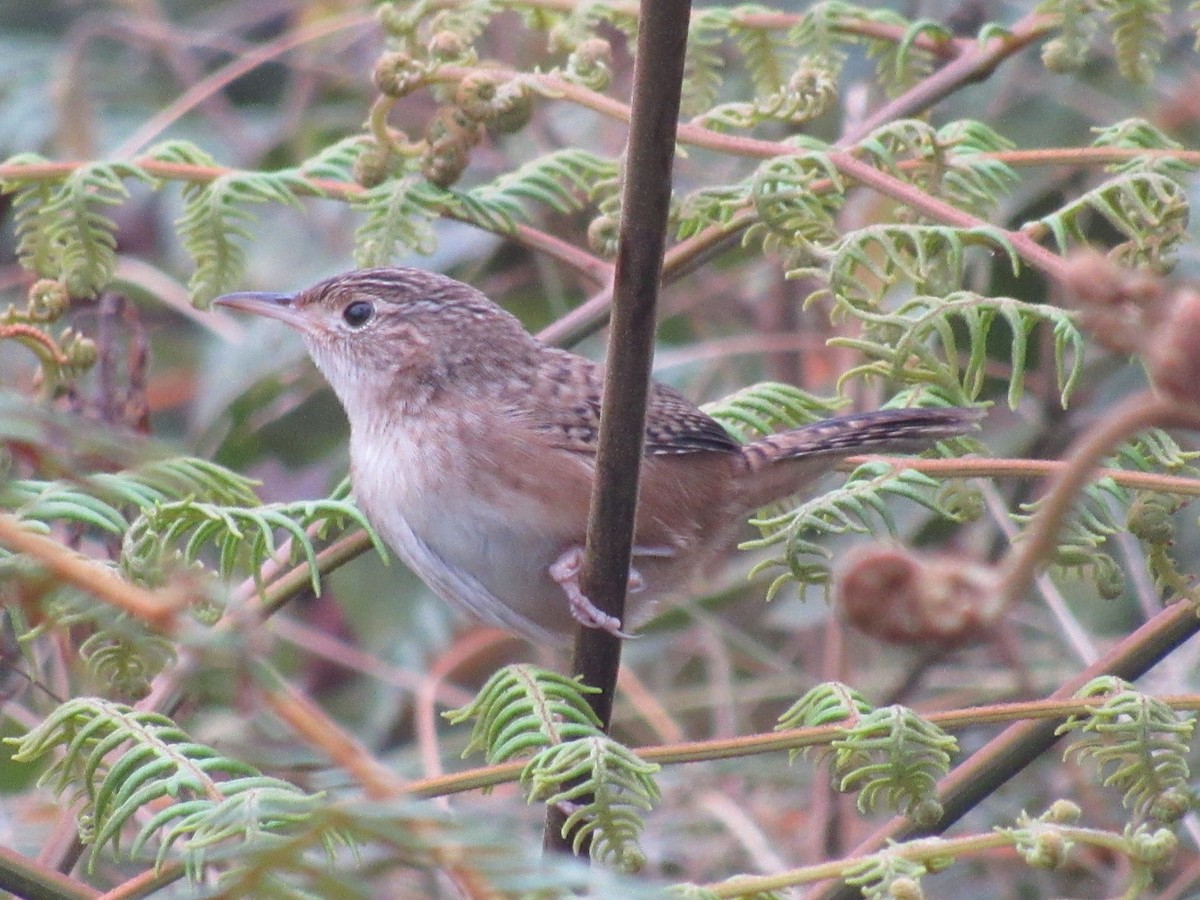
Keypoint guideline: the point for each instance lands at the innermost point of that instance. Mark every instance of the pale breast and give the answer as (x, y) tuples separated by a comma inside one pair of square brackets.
[(480, 508), (477, 525)]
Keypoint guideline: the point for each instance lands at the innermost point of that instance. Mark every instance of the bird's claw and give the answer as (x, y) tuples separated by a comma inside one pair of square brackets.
[(565, 570)]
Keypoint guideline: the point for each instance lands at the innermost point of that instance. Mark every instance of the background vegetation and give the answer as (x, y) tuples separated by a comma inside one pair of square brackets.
[(215, 686)]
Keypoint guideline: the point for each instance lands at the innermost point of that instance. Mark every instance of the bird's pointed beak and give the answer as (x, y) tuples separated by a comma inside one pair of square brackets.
[(269, 304)]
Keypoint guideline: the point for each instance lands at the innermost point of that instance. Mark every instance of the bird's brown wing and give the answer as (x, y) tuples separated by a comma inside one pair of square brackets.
[(567, 410)]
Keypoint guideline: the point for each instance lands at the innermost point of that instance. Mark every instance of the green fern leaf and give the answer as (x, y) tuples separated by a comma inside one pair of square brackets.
[(893, 758), (853, 508), (37, 248), (336, 162), (1148, 208), (867, 263), (703, 64), (1077, 24), (1138, 742), (523, 708), (1138, 134), (558, 180), (84, 238), (605, 786), (901, 64), (396, 223), (917, 342), (215, 223), (1138, 35), (245, 537), (760, 49), (157, 763), (832, 703)]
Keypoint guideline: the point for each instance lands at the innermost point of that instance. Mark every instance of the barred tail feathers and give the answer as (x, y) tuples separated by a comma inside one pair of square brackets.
[(781, 464)]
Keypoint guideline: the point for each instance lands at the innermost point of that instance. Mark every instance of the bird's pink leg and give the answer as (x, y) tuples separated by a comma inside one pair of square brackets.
[(565, 570)]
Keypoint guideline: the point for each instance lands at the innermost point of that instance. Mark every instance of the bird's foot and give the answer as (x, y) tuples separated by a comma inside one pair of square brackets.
[(565, 570)]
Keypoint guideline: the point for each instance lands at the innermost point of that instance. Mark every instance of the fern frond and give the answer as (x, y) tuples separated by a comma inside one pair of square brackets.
[(793, 217), (1097, 515), (215, 222), (761, 51), (919, 343), (99, 501), (37, 248), (807, 94), (703, 63), (853, 508), (1138, 743), (1138, 134), (83, 237), (605, 786), (1077, 25), (767, 407), (831, 703), (893, 758), (559, 180), (523, 708), (244, 538), (867, 263), (1138, 35), (210, 798), (900, 64), (819, 36), (121, 651), (886, 874), (1148, 208), (127, 660), (335, 162), (715, 205), (973, 180), (396, 222)]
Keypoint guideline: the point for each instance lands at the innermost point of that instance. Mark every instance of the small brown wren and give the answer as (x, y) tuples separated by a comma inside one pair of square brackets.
[(472, 449)]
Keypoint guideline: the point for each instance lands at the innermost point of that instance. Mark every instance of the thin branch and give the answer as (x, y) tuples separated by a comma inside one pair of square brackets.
[(159, 612), (645, 207)]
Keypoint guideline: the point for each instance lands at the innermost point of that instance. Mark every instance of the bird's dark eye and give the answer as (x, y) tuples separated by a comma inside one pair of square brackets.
[(358, 313)]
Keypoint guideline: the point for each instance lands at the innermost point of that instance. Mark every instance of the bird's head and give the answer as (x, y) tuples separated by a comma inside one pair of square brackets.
[(400, 336)]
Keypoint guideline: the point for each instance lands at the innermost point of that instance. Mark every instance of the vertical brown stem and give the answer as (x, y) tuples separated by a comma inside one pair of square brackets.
[(657, 85)]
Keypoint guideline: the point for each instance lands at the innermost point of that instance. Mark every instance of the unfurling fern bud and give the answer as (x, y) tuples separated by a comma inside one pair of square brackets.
[(450, 137), (961, 501), (397, 74), (48, 300), (906, 889), (448, 46), (1048, 850), (591, 64), (142, 556), (1063, 812), (899, 597), (1152, 848), (602, 236), (1171, 806), (816, 88), (80, 352), (496, 100), (1149, 518), (372, 166), (1107, 576)]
